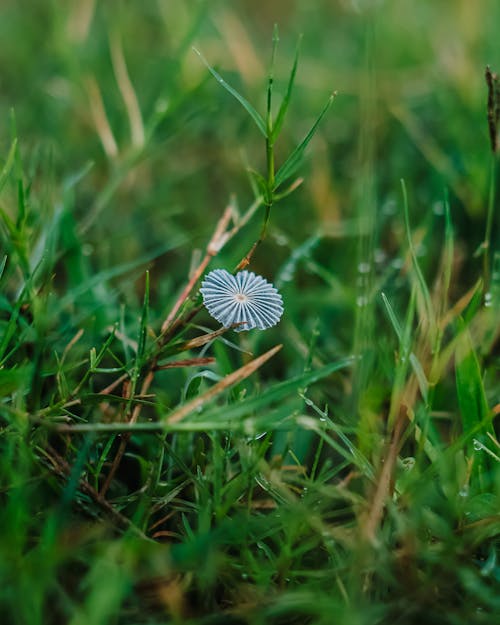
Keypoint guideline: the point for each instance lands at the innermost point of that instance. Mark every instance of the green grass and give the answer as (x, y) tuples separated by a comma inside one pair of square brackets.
[(341, 467)]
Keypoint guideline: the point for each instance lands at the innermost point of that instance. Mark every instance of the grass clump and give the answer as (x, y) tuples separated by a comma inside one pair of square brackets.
[(343, 466)]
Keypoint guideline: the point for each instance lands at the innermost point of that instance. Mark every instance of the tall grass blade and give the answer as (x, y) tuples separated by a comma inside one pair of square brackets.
[(292, 163), (254, 114), (280, 118)]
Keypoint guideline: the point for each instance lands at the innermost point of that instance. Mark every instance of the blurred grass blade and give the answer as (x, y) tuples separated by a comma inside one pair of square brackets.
[(470, 388), (280, 118), (419, 372), (449, 244), (3, 262), (423, 289), (414, 361), (7, 168), (255, 115), (12, 380), (401, 371), (292, 163), (472, 401), (143, 329), (270, 84), (392, 317)]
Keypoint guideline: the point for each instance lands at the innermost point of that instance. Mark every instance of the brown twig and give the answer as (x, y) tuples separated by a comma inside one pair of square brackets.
[(187, 362), (218, 240), (384, 481), (493, 107)]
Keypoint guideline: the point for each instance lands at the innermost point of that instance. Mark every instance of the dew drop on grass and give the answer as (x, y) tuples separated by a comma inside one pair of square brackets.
[(389, 208), (478, 446), (438, 208), (488, 299), (464, 491), (286, 276), (361, 301), (364, 267), (408, 463), (397, 263)]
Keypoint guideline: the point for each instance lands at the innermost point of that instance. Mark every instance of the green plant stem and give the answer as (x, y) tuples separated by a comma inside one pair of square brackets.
[(489, 225)]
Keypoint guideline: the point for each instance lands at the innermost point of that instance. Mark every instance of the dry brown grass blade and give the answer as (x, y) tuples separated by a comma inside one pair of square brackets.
[(384, 483), (100, 119), (199, 341), (458, 307), (217, 241), (187, 362), (228, 381)]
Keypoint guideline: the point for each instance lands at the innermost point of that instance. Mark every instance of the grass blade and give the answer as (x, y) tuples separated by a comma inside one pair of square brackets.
[(280, 118), (270, 84), (470, 389), (292, 163), (254, 114), (424, 291), (4, 174), (228, 381)]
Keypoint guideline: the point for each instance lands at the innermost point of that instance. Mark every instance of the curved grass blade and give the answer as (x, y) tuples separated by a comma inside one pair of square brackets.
[(9, 163), (255, 115), (280, 118), (292, 163)]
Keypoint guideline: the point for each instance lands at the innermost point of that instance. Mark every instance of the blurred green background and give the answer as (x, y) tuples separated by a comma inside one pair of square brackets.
[(411, 104)]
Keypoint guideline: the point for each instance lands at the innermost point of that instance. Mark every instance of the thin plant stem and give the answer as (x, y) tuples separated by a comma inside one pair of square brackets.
[(489, 225)]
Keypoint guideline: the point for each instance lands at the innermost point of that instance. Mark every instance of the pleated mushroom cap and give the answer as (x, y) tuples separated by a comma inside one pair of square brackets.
[(245, 298)]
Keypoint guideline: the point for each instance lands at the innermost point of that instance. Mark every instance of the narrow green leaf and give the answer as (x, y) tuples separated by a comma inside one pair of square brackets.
[(261, 184), (12, 380), (11, 327), (424, 291), (143, 329), (9, 224), (7, 168), (292, 163), (449, 245), (472, 402), (401, 372), (392, 317), (270, 84), (257, 117), (470, 388), (418, 370), (414, 361), (280, 118)]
